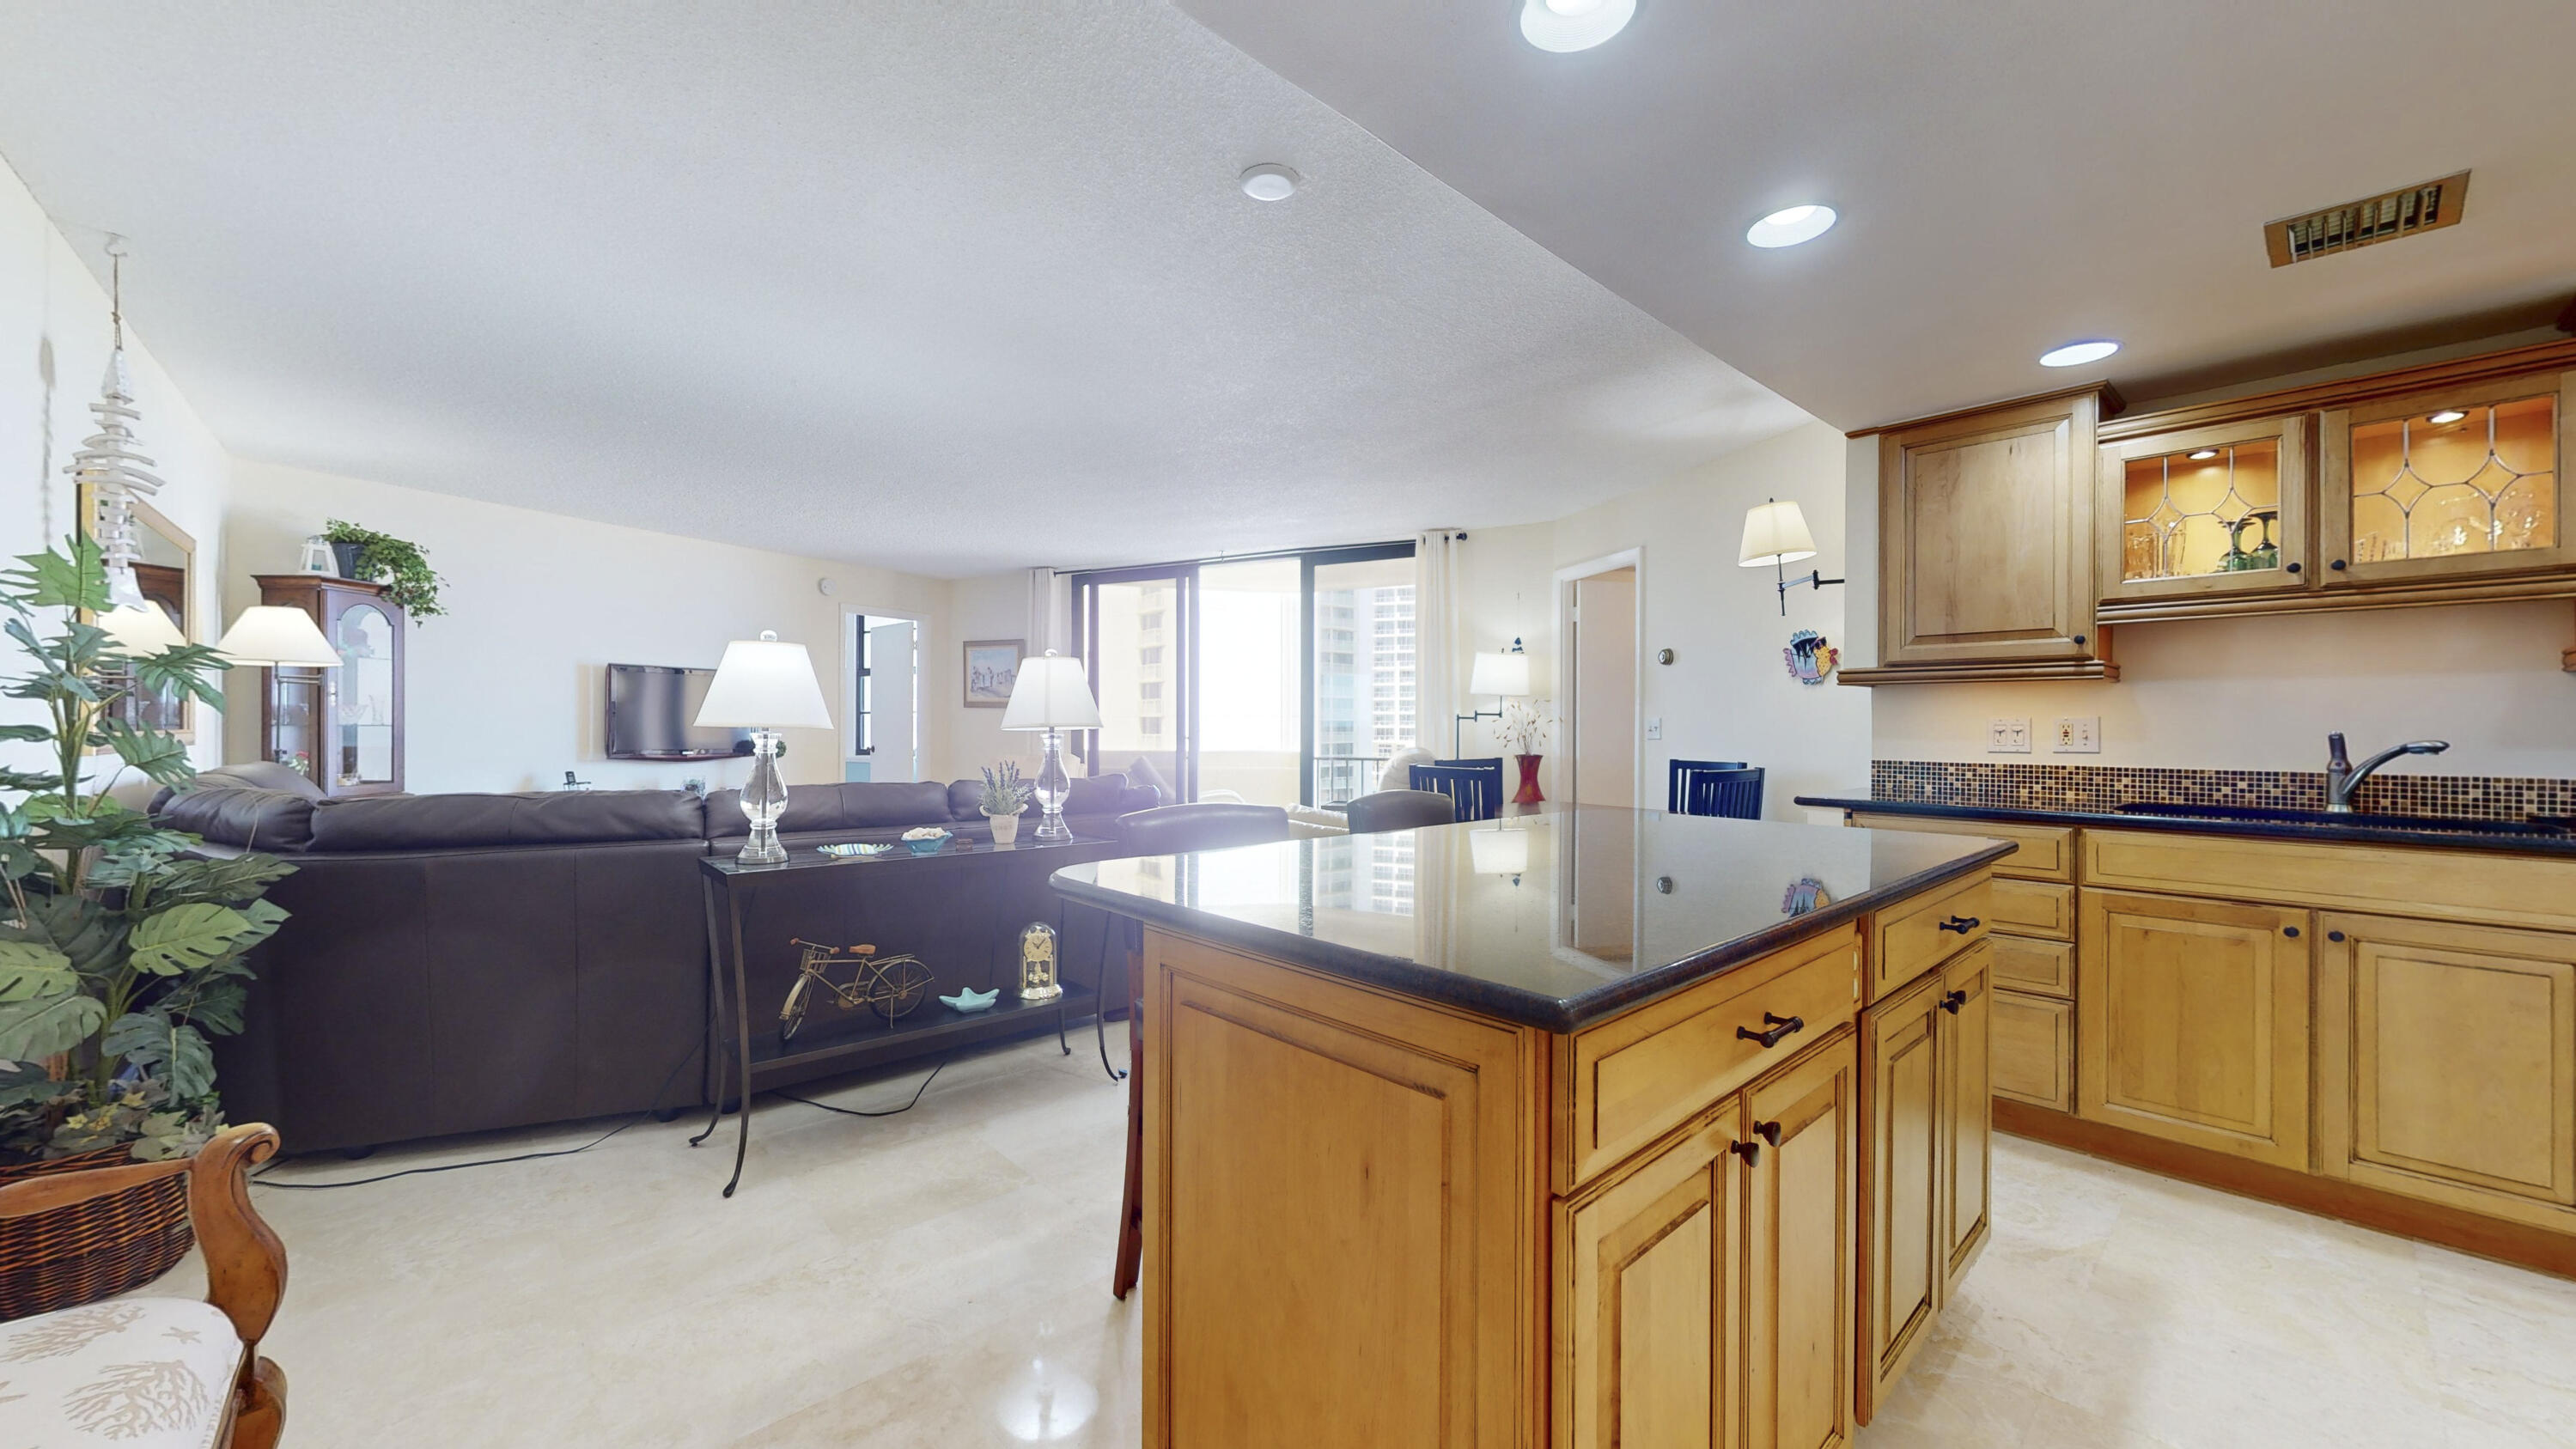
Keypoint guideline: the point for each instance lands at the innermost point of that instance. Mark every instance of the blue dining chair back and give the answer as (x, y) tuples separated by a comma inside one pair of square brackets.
[(1735, 794), (1677, 776), (1476, 786)]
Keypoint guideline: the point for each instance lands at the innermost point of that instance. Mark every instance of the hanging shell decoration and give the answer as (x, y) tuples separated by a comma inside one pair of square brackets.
[(107, 463)]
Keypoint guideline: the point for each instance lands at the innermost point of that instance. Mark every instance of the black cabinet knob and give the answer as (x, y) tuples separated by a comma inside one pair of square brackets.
[(2079, 641), (1768, 1132), (2334, 935), (2337, 565), (1751, 1152), (1952, 1002), (1961, 924), (2294, 568), (2290, 931)]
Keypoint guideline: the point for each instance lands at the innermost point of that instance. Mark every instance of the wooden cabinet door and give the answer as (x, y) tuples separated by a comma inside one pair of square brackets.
[(1967, 1110), (1799, 1196), (2446, 1063), (2206, 512), (2465, 482), (1986, 536), (1652, 1306), (2033, 1049), (1900, 1168), (2192, 1022)]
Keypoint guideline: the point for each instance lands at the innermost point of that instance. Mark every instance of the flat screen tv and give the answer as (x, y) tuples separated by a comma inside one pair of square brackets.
[(650, 707)]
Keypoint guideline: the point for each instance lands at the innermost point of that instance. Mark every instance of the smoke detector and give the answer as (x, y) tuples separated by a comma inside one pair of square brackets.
[(2389, 216)]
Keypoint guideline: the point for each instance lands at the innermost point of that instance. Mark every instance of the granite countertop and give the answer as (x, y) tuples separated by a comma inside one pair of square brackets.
[(1554, 921), (2359, 832)]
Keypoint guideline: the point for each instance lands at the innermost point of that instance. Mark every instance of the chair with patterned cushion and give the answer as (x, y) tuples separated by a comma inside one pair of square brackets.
[(157, 1373)]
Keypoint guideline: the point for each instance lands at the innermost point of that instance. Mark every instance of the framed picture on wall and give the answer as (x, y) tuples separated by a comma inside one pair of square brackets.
[(992, 667)]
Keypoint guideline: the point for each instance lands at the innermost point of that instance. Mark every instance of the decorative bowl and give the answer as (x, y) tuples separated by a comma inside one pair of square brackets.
[(926, 844), (854, 850), (970, 1000)]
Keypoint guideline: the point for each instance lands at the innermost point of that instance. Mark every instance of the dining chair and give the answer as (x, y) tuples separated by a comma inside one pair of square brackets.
[(1677, 777), (1734, 794), (1476, 785)]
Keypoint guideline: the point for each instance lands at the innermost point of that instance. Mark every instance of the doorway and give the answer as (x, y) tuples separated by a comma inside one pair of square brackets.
[(1598, 627), (882, 658)]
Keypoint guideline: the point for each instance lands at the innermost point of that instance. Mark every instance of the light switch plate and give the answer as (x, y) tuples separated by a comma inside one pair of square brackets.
[(2008, 737), (2079, 735), (1654, 727)]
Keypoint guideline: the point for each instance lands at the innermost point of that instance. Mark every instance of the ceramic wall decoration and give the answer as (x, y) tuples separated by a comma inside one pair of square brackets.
[(1811, 657)]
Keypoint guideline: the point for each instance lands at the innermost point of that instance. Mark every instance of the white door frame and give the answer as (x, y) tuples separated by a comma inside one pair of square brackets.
[(850, 672), (1566, 576)]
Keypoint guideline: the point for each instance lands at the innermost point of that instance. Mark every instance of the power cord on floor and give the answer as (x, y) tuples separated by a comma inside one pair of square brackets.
[(855, 1112), (260, 1177)]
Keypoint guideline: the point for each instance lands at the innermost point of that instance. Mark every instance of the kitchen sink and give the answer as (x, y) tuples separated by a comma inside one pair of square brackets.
[(2274, 815)]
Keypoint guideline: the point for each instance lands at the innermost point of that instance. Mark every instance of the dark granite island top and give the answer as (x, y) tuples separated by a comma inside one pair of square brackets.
[(1554, 921)]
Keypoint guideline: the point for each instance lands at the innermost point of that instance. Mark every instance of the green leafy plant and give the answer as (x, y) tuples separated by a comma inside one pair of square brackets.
[(1004, 793), (119, 953), (410, 583)]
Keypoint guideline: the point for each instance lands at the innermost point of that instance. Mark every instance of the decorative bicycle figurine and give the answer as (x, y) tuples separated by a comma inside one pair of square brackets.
[(887, 985)]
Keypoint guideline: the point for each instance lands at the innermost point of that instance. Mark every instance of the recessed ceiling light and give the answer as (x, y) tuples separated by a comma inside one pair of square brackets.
[(2447, 415), (2204, 455), (1792, 226), (2076, 354), (1563, 25), (1269, 182)]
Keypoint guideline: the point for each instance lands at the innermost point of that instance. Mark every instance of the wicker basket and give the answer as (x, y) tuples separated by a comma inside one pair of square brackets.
[(90, 1250)]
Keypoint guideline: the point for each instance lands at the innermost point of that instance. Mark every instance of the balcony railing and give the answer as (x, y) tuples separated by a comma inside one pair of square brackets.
[(1340, 779)]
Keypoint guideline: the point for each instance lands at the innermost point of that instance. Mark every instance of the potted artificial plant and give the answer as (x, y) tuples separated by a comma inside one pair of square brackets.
[(380, 558), (1004, 796), (119, 954)]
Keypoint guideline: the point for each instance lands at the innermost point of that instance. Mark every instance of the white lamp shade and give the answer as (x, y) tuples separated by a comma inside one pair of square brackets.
[(141, 629), (763, 684), (1775, 533), (277, 634), (1051, 693), (1498, 852), (1499, 674)]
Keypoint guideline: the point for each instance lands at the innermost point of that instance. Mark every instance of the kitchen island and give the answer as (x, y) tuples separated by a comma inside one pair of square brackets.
[(1595, 1127)]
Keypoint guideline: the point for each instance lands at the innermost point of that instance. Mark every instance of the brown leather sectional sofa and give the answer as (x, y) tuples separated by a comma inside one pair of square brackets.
[(459, 963)]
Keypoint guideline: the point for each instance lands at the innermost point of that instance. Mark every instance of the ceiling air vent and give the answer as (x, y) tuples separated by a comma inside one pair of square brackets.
[(2389, 216)]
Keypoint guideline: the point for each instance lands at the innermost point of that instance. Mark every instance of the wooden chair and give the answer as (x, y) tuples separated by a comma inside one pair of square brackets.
[(1169, 830), (1733, 791), (1475, 785), (1400, 810), (124, 1368)]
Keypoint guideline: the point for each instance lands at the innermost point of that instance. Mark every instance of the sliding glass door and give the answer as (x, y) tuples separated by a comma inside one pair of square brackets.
[(1279, 680)]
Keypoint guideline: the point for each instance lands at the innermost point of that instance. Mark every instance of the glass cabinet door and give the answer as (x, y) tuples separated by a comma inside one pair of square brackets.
[(295, 721), (2432, 485), (362, 750), (2206, 511)]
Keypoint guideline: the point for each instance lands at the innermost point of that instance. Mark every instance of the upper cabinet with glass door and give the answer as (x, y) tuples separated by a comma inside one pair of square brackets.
[(2206, 511), (2443, 485)]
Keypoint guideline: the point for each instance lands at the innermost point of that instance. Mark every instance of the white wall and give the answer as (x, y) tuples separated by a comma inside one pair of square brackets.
[(1507, 586), (504, 691), (54, 343), (1728, 694), (993, 606)]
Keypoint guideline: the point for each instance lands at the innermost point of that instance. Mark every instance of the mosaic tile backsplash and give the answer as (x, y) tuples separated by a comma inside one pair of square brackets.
[(2103, 788)]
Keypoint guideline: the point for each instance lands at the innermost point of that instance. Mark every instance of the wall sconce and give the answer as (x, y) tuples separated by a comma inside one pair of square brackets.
[(1497, 675), (1775, 533)]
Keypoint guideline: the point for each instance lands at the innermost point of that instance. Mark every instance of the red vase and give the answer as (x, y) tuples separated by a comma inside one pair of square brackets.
[(1529, 791)]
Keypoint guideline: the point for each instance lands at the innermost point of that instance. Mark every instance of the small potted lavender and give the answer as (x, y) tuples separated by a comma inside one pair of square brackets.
[(1005, 795)]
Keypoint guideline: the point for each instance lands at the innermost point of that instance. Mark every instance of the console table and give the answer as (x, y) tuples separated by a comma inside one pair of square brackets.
[(729, 885)]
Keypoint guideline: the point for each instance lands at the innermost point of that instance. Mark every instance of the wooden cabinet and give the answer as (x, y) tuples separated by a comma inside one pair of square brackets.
[(1800, 1197), (2192, 1022), (2458, 481), (343, 727), (2446, 1060), (1966, 1110), (2201, 512), (1986, 550), (2034, 1048), (1655, 1295)]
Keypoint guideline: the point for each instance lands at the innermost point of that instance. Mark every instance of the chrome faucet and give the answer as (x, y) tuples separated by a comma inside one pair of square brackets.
[(2343, 776)]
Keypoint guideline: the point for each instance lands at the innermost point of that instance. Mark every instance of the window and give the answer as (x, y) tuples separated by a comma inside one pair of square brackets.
[(1150, 656), (863, 706), (1150, 689)]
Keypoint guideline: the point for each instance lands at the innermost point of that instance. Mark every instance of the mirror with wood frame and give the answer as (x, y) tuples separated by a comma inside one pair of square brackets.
[(166, 557)]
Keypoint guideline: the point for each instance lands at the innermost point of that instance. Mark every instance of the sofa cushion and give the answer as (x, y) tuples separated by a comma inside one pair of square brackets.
[(561, 817), (256, 775), (241, 815), (147, 1373)]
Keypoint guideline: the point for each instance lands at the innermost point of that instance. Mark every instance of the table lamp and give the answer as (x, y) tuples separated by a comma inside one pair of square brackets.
[(277, 636), (764, 686), (1052, 694)]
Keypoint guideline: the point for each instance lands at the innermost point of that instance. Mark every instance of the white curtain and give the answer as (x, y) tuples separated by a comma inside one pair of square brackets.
[(1050, 612), (1440, 646)]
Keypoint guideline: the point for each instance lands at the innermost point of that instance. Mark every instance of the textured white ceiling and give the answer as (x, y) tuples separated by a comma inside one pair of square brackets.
[(2011, 174), (945, 287)]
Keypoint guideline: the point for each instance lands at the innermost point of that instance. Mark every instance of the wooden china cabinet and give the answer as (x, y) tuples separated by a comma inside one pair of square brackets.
[(342, 728)]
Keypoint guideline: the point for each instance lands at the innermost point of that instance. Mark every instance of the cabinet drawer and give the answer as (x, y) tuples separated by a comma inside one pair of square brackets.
[(2034, 1049), (2485, 887), (2047, 851), (2043, 968), (2034, 908), (1927, 932), (1638, 1076)]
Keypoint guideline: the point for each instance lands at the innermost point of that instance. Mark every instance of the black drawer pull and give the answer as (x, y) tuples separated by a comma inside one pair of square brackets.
[(1751, 1152), (1780, 1026), (1961, 924), (2294, 568), (1952, 1002), (2337, 565), (2334, 935), (2290, 931), (1768, 1132)]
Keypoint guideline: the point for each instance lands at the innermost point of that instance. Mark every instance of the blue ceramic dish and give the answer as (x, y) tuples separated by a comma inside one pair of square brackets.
[(927, 847)]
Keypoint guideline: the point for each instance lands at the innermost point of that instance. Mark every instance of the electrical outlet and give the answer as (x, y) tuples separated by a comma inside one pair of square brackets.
[(1654, 727), (2008, 737), (2080, 735)]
